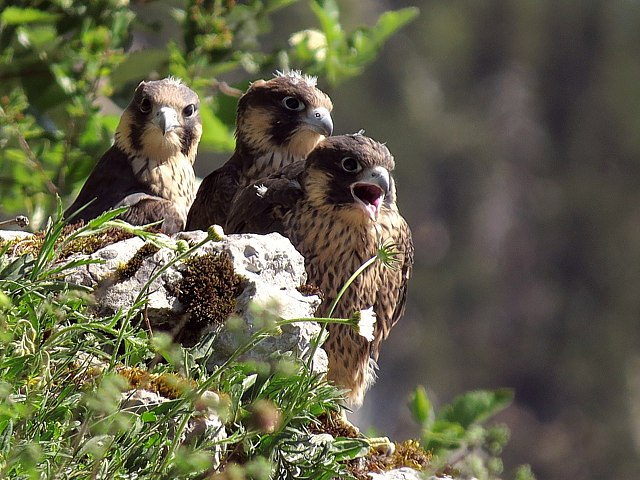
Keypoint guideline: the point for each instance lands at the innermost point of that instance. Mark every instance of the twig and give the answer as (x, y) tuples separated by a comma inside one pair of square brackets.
[(227, 89), (145, 315)]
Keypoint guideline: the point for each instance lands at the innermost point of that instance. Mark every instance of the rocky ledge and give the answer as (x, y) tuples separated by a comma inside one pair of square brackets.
[(264, 273)]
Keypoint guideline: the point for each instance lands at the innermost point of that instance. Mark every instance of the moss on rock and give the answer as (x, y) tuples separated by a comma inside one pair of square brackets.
[(209, 289), (83, 245), (129, 269), (166, 384)]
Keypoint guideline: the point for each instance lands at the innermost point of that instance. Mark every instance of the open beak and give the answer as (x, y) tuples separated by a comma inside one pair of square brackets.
[(167, 119), (319, 120), (370, 190)]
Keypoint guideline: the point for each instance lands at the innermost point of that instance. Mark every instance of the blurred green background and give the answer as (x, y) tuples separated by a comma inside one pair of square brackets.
[(516, 130)]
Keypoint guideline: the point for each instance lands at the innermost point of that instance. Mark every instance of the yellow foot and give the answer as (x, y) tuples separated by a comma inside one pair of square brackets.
[(382, 445), (343, 423)]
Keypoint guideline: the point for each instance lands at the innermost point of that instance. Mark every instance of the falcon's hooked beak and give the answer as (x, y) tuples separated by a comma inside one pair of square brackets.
[(167, 119), (318, 120), (370, 189)]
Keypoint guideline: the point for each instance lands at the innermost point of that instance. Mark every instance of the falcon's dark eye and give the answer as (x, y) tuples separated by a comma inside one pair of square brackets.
[(189, 110), (350, 165), (145, 105), (292, 103)]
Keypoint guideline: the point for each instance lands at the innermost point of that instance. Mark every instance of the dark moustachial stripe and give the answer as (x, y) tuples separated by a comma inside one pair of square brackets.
[(283, 130), (139, 120), (339, 191), (186, 139)]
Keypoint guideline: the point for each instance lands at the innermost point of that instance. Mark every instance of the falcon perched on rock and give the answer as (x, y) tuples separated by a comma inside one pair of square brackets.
[(150, 165), (337, 208), (278, 122)]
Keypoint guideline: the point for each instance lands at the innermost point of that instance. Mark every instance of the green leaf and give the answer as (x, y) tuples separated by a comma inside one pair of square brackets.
[(44, 37), (420, 405), (149, 417), (444, 434), (248, 382), (14, 155), (120, 26), (18, 16), (6, 432), (216, 136), (96, 446), (349, 448), (390, 22), (271, 6), (476, 406), (110, 122), (105, 217), (329, 17), (329, 9), (17, 366), (17, 268)]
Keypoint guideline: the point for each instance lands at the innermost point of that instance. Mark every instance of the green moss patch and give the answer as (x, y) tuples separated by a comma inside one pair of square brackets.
[(209, 289), (129, 269), (406, 454), (84, 245)]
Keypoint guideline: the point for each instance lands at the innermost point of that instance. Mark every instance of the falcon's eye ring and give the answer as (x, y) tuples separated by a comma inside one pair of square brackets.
[(351, 165), (189, 110), (292, 103), (145, 105)]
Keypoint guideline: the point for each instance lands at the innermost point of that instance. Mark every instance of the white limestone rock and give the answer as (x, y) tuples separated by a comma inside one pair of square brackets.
[(405, 473), (108, 259), (8, 235), (273, 270)]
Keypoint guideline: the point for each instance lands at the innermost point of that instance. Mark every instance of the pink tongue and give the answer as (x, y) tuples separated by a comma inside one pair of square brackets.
[(374, 207)]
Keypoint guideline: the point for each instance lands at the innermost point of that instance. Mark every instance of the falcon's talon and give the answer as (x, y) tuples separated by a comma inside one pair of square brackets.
[(382, 446)]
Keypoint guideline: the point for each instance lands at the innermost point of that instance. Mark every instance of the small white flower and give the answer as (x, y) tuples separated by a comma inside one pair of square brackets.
[(215, 233), (366, 323), (315, 41)]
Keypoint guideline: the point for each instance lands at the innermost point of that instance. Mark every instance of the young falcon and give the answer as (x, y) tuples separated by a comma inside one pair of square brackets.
[(337, 208), (278, 122), (150, 165)]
